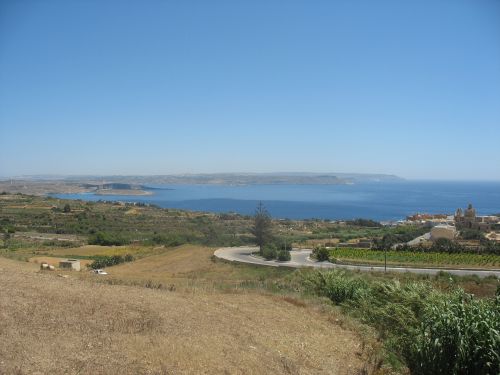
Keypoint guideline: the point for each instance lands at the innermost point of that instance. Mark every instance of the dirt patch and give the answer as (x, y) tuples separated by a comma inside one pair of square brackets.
[(69, 326)]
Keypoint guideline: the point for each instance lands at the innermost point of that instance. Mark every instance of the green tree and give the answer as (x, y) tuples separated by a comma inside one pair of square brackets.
[(67, 208), (321, 253), (262, 226)]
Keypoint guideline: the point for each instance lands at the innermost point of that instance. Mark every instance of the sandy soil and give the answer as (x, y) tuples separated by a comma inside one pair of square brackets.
[(59, 325)]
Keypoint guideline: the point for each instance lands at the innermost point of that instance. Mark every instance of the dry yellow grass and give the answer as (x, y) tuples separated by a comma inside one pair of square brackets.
[(132, 211), (188, 265), (170, 262), (51, 325)]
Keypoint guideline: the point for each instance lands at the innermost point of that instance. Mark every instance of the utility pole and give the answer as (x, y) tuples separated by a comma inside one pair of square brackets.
[(385, 259)]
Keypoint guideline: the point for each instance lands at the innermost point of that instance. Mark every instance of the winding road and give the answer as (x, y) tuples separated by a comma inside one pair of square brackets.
[(301, 258)]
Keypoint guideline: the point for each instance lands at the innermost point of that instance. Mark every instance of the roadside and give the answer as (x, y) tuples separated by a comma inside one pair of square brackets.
[(301, 258)]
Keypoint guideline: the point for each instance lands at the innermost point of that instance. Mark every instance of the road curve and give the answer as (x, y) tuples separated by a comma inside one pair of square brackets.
[(301, 258)]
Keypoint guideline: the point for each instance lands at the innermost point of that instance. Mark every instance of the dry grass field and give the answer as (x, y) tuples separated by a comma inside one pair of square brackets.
[(189, 266), (54, 325)]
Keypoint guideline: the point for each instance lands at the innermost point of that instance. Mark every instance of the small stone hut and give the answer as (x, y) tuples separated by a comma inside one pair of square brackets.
[(70, 264)]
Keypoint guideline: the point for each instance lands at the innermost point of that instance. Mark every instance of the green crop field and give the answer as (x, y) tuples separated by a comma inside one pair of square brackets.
[(395, 257)]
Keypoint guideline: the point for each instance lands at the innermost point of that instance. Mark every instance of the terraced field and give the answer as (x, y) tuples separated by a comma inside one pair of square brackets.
[(413, 258)]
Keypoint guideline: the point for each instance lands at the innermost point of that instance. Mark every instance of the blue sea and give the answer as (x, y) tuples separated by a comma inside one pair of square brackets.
[(375, 200)]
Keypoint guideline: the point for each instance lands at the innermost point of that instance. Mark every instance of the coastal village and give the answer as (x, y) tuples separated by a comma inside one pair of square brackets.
[(451, 226), (464, 227)]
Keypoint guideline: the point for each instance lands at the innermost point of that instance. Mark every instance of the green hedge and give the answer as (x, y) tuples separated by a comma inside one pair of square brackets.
[(102, 261)]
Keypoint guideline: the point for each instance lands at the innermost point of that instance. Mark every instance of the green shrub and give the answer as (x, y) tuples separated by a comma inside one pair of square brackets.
[(321, 253), (102, 261), (458, 335), (434, 332), (269, 252), (168, 240), (471, 234), (284, 255), (336, 285), (281, 244), (107, 239)]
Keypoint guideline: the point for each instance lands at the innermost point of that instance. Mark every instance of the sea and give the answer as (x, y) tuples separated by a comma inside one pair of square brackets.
[(381, 201)]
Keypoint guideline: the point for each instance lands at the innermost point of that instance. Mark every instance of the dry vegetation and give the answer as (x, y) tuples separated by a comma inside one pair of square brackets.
[(59, 325)]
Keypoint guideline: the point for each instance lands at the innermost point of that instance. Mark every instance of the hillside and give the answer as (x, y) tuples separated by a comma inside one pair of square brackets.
[(60, 325)]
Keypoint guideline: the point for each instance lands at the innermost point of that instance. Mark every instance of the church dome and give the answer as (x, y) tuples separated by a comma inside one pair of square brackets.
[(470, 211)]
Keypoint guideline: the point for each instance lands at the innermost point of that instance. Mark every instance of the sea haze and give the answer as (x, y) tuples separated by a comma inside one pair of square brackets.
[(378, 201)]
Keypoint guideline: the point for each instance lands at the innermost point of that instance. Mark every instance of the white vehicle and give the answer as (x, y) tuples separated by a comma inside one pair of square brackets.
[(100, 272)]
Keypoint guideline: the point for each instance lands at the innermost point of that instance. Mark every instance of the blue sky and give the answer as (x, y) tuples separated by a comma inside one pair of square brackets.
[(157, 87)]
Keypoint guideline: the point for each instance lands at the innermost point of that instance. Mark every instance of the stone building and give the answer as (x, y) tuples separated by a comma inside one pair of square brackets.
[(70, 264), (469, 220), (443, 231)]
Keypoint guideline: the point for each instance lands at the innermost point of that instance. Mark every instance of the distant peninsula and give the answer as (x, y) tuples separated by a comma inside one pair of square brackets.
[(279, 178), (145, 185)]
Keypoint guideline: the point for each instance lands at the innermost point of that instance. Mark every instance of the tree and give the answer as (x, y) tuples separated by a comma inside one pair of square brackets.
[(67, 208), (262, 226), (321, 253)]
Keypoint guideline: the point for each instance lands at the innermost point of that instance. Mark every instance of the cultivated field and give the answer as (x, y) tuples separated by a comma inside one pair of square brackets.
[(415, 258), (59, 325)]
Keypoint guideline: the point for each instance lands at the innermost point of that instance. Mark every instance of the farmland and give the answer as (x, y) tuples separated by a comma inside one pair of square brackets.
[(415, 258), (44, 222)]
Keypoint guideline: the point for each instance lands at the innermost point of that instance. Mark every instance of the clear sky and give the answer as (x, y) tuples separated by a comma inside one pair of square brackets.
[(157, 87)]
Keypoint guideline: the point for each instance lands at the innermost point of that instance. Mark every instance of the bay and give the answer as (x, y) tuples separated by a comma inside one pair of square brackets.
[(374, 200)]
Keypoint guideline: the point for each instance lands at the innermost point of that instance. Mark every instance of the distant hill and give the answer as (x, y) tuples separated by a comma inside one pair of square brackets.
[(242, 178), (141, 182)]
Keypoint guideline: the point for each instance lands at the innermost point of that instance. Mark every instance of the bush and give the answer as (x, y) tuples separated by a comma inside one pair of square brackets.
[(460, 335), (102, 261), (321, 254), (168, 240), (336, 285), (284, 255), (435, 332), (283, 245), (365, 223), (269, 252), (107, 239), (471, 234)]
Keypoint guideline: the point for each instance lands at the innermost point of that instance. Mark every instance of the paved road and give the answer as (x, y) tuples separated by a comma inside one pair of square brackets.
[(300, 258)]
